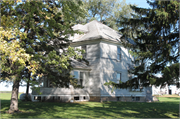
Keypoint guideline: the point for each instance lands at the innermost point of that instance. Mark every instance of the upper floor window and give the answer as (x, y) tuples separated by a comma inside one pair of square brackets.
[(118, 77), (84, 48), (118, 53)]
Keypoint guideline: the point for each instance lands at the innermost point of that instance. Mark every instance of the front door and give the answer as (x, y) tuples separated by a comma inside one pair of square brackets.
[(170, 92)]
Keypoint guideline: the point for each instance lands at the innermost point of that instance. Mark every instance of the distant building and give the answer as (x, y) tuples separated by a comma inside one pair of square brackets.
[(166, 90)]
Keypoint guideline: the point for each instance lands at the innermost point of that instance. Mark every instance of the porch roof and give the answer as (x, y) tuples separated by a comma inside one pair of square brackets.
[(79, 65)]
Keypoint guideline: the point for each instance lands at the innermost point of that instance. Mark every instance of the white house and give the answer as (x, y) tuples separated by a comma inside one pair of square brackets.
[(166, 90), (108, 60)]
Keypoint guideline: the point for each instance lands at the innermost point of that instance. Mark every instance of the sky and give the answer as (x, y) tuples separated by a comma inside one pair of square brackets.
[(140, 3)]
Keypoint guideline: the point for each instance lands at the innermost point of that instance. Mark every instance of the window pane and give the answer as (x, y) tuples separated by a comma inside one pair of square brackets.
[(84, 48), (81, 82), (81, 78), (118, 53), (76, 74), (119, 50), (81, 75), (118, 76)]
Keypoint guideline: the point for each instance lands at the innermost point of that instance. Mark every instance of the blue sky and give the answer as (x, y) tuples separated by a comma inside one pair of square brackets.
[(140, 3)]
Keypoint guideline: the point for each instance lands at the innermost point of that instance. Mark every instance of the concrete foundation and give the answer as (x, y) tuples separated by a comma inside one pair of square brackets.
[(124, 99), (95, 99)]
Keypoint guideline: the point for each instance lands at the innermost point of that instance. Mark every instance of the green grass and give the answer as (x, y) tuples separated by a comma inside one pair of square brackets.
[(168, 107)]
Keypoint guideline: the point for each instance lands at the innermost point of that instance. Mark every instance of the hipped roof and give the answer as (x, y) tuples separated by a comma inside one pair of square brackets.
[(96, 30)]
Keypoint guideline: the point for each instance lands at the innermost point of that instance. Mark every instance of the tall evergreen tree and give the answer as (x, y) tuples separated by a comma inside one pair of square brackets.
[(47, 39), (155, 34)]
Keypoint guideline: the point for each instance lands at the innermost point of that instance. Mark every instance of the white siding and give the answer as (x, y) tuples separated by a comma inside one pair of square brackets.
[(110, 66), (93, 51)]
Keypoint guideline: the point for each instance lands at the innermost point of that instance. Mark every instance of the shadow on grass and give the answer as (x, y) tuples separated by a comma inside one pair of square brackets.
[(173, 98), (146, 110), (93, 110)]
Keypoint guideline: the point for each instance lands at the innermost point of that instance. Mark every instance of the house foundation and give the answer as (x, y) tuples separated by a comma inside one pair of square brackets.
[(95, 98), (124, 99)]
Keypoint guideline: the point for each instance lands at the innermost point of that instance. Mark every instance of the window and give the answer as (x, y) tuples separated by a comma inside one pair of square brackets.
[(76, 75), (81, 78), (59, 98), (118, 77), (118, 53), (118, 98), (135, 98), (84, 48), (138, 87), (76, 98)]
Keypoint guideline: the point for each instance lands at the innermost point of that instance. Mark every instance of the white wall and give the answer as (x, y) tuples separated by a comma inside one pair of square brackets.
[(110, 66), (165, 90), (156, 90), (104, 66)]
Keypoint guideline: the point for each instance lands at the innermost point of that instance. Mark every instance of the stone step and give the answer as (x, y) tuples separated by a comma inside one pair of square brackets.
[(155, 99)]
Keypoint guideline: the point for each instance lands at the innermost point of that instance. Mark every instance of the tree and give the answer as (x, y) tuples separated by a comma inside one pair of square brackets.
[(45, 50), (155, 34), (108, 12), (53, 32), (170, 74), (13, 56)]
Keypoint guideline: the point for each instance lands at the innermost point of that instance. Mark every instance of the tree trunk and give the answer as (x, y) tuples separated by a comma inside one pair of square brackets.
[(14, 97), (27, 89)]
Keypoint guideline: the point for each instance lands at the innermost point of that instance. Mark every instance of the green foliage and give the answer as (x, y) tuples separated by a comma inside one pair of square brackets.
[(13, 56), (34, 36), (170, 74), (155, 34), (108, 12), (47, 35), (37, 90)]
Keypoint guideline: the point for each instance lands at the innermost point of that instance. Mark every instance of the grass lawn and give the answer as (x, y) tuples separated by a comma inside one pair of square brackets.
[(168, 107)]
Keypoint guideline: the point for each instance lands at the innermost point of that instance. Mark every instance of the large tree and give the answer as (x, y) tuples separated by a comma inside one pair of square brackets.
[(108, 12), (155, 34), (41, 44), (47, 31), (13, 56)]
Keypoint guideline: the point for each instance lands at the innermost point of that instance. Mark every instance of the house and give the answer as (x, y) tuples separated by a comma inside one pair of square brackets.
[(108, 60), (166, 90)]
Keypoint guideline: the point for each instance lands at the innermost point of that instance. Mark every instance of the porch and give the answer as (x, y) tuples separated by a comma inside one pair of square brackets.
[(59, 94)]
